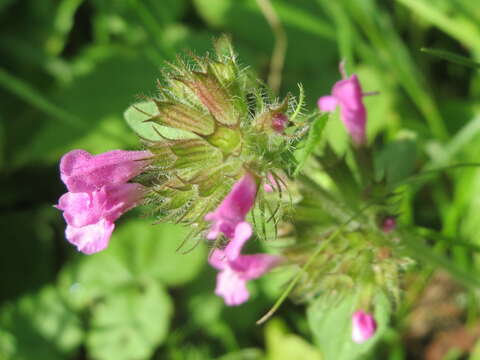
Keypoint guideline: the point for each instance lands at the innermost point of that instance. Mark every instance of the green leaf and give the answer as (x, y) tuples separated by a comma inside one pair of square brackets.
[(331, 325), (93, 121), (130, 324), (447, 55), (138, 251), (137, 116), (28, 236), (447, 18), (444, 155), (282, 345), (416, 248), (39, 326), (180, 116), (313, 140), (151, 250), (167, 11), (62, 25), (244, 354), (396, 161), (4, 4), (92, 278)]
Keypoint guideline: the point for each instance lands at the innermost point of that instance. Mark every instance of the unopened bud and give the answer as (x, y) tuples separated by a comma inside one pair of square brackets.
[(389, 224), (279, 122), (363, 326)]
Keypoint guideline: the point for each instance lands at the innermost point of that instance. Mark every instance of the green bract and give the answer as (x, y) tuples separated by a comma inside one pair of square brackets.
[(209, 123)]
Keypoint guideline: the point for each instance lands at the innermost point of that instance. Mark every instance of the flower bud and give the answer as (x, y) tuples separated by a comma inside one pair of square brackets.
[(389, 224), (363, 326), (279, 122)]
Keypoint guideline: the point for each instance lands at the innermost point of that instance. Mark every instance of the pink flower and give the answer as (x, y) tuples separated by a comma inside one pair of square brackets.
[(347, 94), (273, 184), (90, 216), (98, 194), (279, 122), (389, 224), (83, 172), (234, 274), (229, 217), (363, 326)]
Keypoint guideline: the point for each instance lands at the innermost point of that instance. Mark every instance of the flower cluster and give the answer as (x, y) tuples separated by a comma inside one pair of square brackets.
[(225, 151), (212, 123)]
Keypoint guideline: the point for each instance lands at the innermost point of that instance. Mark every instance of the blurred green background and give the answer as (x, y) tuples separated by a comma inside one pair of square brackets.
[(68, 71)]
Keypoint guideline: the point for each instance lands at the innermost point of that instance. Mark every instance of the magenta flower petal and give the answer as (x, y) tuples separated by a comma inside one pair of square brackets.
[(243, 231), (327, 103), (363, 326), (233, 209), (110, 202), (90, 215), (218, 259), (121, 198), (272, 184), (267, 188), (83, 172), (80, 209), (99, 193), (232, 287), (348, 95), (92, 238), (234, 274), (254, 266)]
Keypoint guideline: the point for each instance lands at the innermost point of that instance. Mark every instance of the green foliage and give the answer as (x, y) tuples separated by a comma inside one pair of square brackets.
[(130, 324), (283, 346), (70, 68), (39, 326), (139, 252), (447, 55), (396, 162), (331, 324), (312, 142)]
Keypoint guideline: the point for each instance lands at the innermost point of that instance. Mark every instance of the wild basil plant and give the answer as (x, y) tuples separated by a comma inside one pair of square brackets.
[(221, 155)]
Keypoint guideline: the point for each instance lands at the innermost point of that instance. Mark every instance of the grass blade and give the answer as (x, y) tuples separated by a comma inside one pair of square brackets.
[(449, 56)]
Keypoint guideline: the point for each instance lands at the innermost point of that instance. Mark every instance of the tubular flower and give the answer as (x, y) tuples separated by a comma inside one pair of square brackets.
[(229, 217), (98, 194), (363, 326), (83, 172), (234, 274), (347, 94)]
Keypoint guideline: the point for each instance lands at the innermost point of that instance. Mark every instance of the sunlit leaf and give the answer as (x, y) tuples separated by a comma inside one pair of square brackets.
[(313, 140), (39, 326), (130, 324), (331, 325), (138, 251), (282, 345), (136, 116)]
